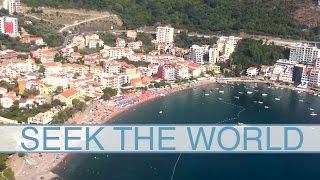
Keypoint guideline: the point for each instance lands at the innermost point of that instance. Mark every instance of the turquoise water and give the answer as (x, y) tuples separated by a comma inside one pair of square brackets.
[(194, 107)]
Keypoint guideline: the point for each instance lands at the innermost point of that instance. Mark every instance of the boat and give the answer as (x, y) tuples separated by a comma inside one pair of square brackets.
[(300, 100), (240, 92), (249, 92), (240, 124), (254, 101), (162, 94), (313, 114), (160, 112), (221, 92), (264, 94), (220, 99), (311, 109), (216, 88), (237, 97), (206, 94), (277, 99), (266, 107), (260, 102)]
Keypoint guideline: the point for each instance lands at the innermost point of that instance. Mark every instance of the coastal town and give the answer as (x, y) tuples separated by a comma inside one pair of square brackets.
[(95, 76)]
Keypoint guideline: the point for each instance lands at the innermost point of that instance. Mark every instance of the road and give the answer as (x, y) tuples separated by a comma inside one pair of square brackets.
[(85, 21), (275, 40)]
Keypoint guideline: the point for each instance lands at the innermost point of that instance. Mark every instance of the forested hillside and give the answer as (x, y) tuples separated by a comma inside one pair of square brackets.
[(269, 17)]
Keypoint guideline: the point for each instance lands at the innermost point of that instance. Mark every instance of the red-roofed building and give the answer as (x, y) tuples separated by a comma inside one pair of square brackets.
[(68, 96), (31, 38)]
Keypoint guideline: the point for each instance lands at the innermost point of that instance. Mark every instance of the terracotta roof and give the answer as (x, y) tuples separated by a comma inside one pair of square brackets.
[(68, 93)]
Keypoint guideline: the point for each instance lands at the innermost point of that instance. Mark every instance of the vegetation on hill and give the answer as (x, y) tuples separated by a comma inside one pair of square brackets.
[(108, 38), (272, 17), (251, 52), (184, 41), (7, 42), (146, 40), (51, 37)]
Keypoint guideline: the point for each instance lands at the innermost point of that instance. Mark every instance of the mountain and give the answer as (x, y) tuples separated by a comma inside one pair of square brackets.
[(283, 18)]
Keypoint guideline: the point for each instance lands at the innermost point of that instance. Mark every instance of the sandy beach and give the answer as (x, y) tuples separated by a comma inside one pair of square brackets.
[(36, 166)]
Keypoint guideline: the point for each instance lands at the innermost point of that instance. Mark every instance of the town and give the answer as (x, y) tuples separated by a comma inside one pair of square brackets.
[(49, 85)]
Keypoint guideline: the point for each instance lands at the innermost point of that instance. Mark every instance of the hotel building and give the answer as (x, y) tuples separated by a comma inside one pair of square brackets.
[(13, 6), (304, 53), (165, 35), (197, 53), (9, 26)]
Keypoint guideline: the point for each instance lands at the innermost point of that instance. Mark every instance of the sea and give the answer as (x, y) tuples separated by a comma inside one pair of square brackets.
[(214, 104)]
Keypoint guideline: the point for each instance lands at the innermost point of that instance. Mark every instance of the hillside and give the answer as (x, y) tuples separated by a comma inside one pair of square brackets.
[(267, 17)]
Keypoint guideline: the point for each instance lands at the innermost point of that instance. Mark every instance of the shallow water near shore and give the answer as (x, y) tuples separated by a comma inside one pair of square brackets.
[(217, 103)]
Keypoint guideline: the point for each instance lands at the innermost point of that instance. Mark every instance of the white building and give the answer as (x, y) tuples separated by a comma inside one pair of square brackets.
[(165, 35), (304, 53), (283, 71), (9, 26), (182, 72), (120, 42), (167, 72), (230, 46), (213, 55), (113, 52), (252, 71), (13, 6), (197, 53)]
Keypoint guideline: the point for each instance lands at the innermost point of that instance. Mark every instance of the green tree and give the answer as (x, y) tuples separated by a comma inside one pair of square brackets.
[(108, 93), (108, 38), (146, 41), (78, 105), (251, 52)]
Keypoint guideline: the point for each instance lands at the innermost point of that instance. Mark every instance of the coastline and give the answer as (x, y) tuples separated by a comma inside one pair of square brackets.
[(41, 165), (44, 165)]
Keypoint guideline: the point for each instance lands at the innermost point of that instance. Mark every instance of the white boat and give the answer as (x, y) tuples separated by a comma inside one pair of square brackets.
[(216, 88), (249, 92), (160, 112), (237, 97), (240, 92), (162, 94), (264, 94), (260, 102), (221, 92), (206, 94), (311, 109), (300, 100), (240, 124), (254, 101), (313, 114), (277, 99), (266, 107), (220, 99)]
